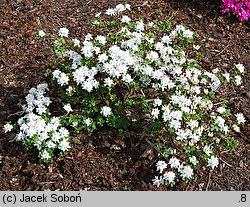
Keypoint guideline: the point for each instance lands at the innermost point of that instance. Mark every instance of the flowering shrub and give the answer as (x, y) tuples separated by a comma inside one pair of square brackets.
[(135, 74), (241, 8), (38, 129)]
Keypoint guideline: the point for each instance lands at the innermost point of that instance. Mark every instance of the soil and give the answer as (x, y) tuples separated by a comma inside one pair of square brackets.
[(103, 161)]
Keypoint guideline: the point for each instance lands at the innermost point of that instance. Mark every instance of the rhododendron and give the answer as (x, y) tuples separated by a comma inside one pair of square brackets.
[(213, 162), (128, 74), (241, 8)]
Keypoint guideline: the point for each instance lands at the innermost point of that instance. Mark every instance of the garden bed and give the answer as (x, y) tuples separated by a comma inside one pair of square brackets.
[(102, 161)]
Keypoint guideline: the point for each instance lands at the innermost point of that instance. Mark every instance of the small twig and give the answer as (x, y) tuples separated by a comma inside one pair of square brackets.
[(17, 113), (143, 93), (42, 183), (222, 50), (93, 157), (218, 103), (225, 151), (239, 185), (12, 140), (209, 180), (226, 162)]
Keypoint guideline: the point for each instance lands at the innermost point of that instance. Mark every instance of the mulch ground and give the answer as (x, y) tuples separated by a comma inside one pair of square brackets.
[(103, 161)]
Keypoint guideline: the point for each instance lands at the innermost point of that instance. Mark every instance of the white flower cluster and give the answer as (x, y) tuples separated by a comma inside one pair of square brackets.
[(118, 9), (185, 170), (36, 99), (35, 130), (61, 77), (7, 127), (63, 32), (106, 111)]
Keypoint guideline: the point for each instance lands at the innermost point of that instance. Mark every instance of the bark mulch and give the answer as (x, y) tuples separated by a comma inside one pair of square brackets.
[(103, 161)]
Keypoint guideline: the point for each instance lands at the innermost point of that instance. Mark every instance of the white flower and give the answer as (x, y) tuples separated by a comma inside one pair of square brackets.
[(186, 171), (63, 32), (161, 165), (30, 98), (176, 124), (150, 40), (97, 50), (225, 128), (213, 162), (193, 123), (7, 127), (45, 155), (63, 79), (207, 150), (166, 39), (240, 118), (70, 89), (64, 145), (56, 73), (127, 78), (76, 42), (125, 19), (42, 87), (216, 70), (102, 58), (63, 132), (169, 176), (20, 136), (157, 102), (187, 33), (182, 134), (153, 56), (88, 37), (221, 110), (50, 144), (67, 108), (89, 84), (238, 80), (236, 128), (179, 28), (193, 160), (139, 26), (155, 113), (98, 14), (227, 76), (174, 162), (120, 8), (106, 111), (108, 82), (74, 124), (158, 181), (101, 39), (41, 109), (219, 121), (240, 67), (151, 24), (110, 12), (41, 33), (127, 6), (87, 121)]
